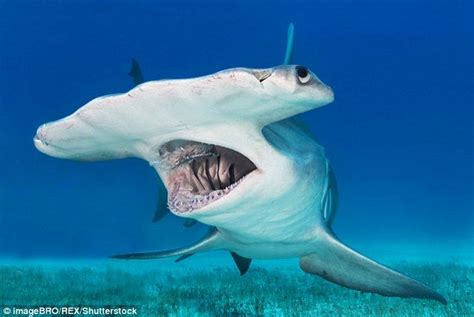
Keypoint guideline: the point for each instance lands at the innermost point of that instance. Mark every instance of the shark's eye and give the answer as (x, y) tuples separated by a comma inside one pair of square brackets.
[(303, 73)]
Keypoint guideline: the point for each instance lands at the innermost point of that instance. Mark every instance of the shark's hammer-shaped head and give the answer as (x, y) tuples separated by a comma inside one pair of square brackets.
[(283, 91), (202, 135)]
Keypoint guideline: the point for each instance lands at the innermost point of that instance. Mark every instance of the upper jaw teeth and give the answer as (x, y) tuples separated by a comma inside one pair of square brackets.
[(185, 201), (176, 153), (191, 158)]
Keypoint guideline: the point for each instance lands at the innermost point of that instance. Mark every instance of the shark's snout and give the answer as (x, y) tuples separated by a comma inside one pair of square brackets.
[(44, 142), (40, 141), (329, 93)]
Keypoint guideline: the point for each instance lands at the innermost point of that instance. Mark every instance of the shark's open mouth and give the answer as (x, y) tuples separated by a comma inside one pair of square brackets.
[(199, 173)]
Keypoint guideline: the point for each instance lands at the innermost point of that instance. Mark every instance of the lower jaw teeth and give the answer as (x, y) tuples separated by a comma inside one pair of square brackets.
[(185, 201)]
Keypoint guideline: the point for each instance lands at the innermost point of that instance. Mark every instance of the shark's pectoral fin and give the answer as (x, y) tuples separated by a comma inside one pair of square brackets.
[(162, 204), (242, 263), (189, 223), (212, 241), (136, 73), (159, 214), (339, 264)]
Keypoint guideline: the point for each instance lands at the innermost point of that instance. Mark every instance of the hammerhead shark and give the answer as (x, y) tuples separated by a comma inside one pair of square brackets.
[(231, 155)]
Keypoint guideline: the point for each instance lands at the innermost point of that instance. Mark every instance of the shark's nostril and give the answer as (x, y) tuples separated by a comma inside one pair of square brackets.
[(40, 137), (263, 74)]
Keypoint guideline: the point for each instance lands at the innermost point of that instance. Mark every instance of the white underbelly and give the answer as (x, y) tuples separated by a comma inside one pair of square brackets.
[(275, 239)]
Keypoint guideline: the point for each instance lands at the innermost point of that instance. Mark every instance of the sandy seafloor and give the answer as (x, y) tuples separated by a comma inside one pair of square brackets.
[(210, 285)]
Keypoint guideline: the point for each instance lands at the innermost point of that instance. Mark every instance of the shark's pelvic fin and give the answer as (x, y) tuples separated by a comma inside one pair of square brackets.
[(339, 264), (289, 44), (181, 258), (242, 263), (136, 73), (212, 241)]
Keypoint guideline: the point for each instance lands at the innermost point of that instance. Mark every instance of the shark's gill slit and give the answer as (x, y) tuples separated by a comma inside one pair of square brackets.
[(199, 173)]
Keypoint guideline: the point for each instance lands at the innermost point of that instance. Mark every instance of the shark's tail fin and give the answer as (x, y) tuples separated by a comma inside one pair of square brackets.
[(339, 264)]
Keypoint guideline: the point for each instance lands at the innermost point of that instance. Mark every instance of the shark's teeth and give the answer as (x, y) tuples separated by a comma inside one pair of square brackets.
[(176, 153), (186, 201)]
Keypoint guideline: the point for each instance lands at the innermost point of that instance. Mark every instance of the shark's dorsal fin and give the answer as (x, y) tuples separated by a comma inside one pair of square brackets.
[(339, 264), (242, 263), (212, 241), (289, 44)]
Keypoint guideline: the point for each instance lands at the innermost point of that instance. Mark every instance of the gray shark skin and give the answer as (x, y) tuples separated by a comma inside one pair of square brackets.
[(231, 156)]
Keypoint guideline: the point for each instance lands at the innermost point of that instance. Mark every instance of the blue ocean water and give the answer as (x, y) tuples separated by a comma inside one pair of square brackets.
[(399, 133)]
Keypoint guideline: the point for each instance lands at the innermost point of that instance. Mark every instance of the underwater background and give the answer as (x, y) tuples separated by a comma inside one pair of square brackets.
[(399, 137)]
